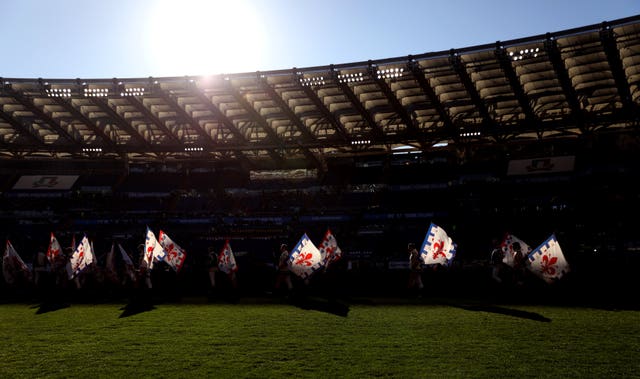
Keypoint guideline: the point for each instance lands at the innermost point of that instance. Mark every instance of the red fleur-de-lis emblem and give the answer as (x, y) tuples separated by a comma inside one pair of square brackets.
[(438, 250), (304, 259), (547, 266)]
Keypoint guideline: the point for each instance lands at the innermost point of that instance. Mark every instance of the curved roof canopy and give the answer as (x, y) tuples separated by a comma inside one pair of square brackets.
[(558, 85)]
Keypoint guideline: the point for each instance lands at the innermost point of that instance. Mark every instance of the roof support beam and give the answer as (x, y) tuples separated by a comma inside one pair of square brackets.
[(77, 114), (156, 121), (313, 96), (120, 122), (460, 69), (23, 130), (412, 129), (551, 46), (48, 119), (207, 139), (418, 75), (615, 63), (258, 119)]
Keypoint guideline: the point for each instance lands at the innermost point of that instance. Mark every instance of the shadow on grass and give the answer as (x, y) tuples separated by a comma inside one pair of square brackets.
[(135, 307), (319, 304), (50, 307), (504, 311)]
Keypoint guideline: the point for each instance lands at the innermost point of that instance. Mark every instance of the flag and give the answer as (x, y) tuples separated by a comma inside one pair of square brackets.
[(81, 258), (110, 261), (174, 254), (128, 264), (226, 259), (13, 266), (305, 258), (437, 247), (152, 249), (329, 250), (547, 261), (507, 249), (54, 250)]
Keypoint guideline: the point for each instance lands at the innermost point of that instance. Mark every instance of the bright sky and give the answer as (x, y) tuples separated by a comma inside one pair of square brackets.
[(94, 39)]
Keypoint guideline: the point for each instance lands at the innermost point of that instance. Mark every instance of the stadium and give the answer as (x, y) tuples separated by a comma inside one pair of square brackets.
[(370, 149), (537, 136)]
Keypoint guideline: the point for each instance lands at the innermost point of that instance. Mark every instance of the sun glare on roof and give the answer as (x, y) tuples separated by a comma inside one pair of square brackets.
[(199, 37)]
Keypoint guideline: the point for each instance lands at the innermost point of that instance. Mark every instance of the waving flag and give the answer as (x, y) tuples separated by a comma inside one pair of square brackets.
[(54, 249), (81, 258), (128, 264), (152, 249), (226, 259), (437, 247), (175, 255), (13, 266), (305, 258), (547, 261), (508, 251), (329, 250)]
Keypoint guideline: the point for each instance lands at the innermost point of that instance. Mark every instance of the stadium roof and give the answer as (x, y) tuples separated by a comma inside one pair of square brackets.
[(557, 85)]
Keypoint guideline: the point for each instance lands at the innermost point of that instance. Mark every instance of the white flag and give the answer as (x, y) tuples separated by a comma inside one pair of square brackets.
[(547, 261), (329, 250), (174, 254), (81, 258), (437, 247), (54, 249), (13, 266), (226, 259), (509, 252), (128, 263), (305, 258), (152, 249)]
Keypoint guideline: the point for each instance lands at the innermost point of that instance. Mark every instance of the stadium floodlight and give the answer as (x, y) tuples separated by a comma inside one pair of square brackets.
[(350, 78), (524, 53), (470, 134), (193, 149), (361, 142), (57, 92), (91, 149), (390, 73), (312, 81), (96, 92), (136, 91)]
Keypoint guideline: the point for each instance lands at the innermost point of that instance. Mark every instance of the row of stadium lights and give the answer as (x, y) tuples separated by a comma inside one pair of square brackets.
[(361, 142), (470, 134), (526, 53), (93, 92), (193, 149), (91, 149)]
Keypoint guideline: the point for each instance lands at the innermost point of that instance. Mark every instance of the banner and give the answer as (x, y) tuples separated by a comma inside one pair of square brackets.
[(437, 247), (45, 182), (329, 250), (543, 165), (174, 254), (547, 261), (305, 258), (509, 251), (81, 258), (152, 249), (226, 259), (54, 250), (13, 267)]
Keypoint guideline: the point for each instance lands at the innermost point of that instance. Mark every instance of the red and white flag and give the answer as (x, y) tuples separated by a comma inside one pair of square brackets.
[(152, 249), (329, 250), (437, 247), (226, 259), (547, 261), (305, 258), (54, 250), (508, 250), (13, 266), (81, 258), (174, 254)]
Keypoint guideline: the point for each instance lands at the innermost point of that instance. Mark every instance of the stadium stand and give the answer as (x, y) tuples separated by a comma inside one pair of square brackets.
[(536, 136)]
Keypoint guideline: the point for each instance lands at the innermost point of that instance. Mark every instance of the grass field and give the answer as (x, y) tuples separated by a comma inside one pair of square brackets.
[(318, 339)]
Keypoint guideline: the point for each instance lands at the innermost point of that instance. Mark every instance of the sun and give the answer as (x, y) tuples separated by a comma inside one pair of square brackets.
[(200, 37)]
